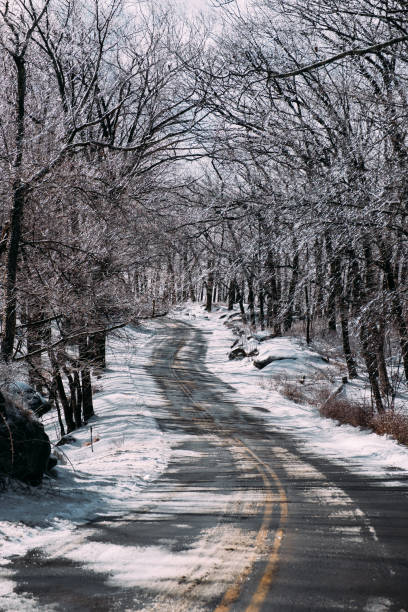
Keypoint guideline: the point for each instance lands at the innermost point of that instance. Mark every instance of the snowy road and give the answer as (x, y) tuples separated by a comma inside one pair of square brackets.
[(240, 520)]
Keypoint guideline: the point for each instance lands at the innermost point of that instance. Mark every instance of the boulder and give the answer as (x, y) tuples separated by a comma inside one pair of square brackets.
[(24, 446), (237, 353), (28, 397), (262, 336), (67, 439), (262, 363), (240, 353)]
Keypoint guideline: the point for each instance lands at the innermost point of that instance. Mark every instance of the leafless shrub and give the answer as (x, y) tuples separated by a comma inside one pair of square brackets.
[(392, 423), (320, 394), (347, 411), (271, 383), (293, 391)]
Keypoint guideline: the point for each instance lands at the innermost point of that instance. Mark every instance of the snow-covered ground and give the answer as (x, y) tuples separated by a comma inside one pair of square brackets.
[(128, 451), (361, 450)]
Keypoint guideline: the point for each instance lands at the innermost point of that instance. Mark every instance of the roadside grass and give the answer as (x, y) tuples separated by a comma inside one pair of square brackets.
[(346, 411), (318, 391), (392, 423)]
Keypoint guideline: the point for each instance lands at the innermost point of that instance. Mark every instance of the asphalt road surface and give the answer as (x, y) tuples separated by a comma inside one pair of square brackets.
[(242, 520)]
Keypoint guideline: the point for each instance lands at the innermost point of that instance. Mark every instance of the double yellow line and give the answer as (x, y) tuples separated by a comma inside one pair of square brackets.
[(268, 476)]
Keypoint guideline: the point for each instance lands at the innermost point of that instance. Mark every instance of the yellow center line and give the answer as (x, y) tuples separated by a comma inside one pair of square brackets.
[(233, 592), (265, 583)]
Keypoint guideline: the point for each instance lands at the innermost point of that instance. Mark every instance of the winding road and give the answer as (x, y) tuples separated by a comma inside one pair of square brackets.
[(242, 519)]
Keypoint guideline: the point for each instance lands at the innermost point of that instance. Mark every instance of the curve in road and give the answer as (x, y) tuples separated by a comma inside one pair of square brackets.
[(242, 519)]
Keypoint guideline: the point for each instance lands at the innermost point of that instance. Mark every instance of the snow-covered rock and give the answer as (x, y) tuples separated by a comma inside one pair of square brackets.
[(285, 355), (24, 446)]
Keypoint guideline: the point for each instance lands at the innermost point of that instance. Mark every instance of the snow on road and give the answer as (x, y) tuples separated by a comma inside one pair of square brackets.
[(128, 451), (361, 450)]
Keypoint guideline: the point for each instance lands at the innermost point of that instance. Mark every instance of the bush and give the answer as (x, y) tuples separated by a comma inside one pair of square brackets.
[(293, 391), (391, 423), (347, 411)]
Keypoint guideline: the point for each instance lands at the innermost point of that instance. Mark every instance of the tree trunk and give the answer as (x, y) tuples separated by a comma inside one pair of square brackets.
[(261, 298), (99, 350), (34, 343), (308, 339), (240, 298), (74, 406), (86, 381), (287, 322), (251, 299), (318, 299), (53, 398), (385, 384), (331, 302), (66, 405), (78, 389), (209, 289), (396, 306), (10, 291), (369, 354), (231, 294), (351, 364), (356, 283), (87, 402), (16, 219), (344, 316)]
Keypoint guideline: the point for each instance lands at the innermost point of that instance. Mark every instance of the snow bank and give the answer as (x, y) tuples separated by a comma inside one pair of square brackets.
[(288, 357), (127, 452), (360, 450)]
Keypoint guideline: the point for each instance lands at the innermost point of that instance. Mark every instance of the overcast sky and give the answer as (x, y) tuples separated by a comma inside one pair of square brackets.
[(195, 6)]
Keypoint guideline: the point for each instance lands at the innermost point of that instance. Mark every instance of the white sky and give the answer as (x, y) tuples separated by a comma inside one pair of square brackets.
[(195, 6)]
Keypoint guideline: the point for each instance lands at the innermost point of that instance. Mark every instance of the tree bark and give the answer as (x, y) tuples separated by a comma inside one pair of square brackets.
[(74, 405), (78, 389), (261, 298), (308, 338), (86, 381), (331, 302), (370, 359), (396, 306), (231, 294), (344, 317), (251, 299), (288, 319), (99, 350), (87, 402), (209, 288), (66, 405), (17, 212)]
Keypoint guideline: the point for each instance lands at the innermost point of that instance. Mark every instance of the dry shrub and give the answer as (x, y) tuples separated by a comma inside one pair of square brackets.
[(320, 394), (391, 423), (293, 391), (347, 411), (272, 382)]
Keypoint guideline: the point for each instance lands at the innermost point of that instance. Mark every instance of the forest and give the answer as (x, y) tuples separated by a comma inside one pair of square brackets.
[(258, 157)]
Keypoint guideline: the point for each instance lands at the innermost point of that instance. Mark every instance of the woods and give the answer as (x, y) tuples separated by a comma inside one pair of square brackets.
[(147, 160)]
